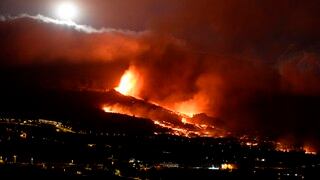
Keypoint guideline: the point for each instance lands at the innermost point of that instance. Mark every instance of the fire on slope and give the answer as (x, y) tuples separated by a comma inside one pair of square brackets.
[(177, 122), (129, 82), (130, 85), (183, 120)]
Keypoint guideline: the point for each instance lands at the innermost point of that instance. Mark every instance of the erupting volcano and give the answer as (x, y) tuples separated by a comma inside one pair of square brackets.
[(160, 89), (187, 123)]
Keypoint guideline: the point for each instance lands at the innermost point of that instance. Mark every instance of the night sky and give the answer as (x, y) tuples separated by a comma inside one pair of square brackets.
[(255, 64)]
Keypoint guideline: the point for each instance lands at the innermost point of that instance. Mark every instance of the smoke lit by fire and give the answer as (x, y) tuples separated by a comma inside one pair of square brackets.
[(187, 108)]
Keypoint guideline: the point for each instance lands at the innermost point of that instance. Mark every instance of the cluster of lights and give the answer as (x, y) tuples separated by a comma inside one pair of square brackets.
[(228, 166)]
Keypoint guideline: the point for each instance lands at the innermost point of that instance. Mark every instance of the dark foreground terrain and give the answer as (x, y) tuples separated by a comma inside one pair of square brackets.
[(39, 147)]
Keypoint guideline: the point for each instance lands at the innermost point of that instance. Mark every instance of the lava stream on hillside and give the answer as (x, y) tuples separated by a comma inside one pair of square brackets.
[(176, 122)]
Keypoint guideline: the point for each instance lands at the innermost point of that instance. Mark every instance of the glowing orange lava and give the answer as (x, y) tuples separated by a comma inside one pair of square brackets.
[(196, 105), (192, 130), (117, 108), (184, 120), (128, 83), (309, 150), (107, 109), (188, 109)]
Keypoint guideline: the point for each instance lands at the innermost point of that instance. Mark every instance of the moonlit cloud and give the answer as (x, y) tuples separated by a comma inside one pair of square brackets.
[(78, 27)]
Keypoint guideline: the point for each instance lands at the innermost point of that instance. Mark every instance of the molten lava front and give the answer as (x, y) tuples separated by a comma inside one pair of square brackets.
[(176, 125)]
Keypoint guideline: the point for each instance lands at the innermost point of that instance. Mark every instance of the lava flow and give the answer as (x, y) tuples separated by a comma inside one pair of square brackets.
[(176, 122)]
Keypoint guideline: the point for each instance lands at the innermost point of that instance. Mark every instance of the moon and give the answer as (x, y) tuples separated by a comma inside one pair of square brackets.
[(67, 11)]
